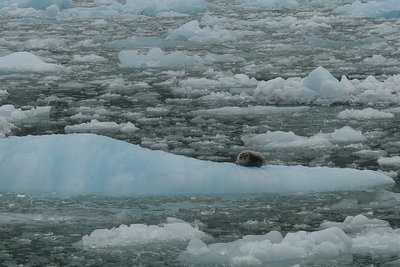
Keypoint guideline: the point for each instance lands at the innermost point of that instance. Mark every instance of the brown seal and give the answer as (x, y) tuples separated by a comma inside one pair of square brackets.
[(250, 158)]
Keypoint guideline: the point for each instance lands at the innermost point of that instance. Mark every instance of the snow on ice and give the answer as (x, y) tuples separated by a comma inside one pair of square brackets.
[(87, 163)]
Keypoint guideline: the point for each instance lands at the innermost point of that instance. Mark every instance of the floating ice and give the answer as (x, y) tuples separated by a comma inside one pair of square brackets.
[(280, 139), (364, 114), (389, 161), (92, 58), (87, 163), (26, 62), (320, 87), (357, 223), (374, 9), (95, 126), (369, 236), (139, 234), (280, 91), (9, 115), (157, 58), (238, 80), (321, 81), (153, 7), (250, 110), (43, 4), (270, 4), (191, 31), (272, 248)]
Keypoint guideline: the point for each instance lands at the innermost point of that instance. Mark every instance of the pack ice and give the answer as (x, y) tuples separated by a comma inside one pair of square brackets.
[(88, 163)]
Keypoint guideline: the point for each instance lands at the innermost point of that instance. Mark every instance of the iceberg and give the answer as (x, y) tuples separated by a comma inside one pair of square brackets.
[(88, 163), (26, 62)]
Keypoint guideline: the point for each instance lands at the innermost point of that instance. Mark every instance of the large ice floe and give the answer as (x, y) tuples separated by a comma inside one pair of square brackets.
[(87, 163), (321, 87), (356, 235), (26, 62), (281, 139), (374, 9)]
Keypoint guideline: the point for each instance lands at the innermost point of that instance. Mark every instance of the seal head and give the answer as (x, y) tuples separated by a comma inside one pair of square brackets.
[(250, 158)]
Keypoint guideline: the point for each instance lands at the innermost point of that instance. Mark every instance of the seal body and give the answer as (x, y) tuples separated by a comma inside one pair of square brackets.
[(250, 158)]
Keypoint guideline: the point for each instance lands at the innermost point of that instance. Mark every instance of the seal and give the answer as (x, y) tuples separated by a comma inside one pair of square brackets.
[(250, 158)]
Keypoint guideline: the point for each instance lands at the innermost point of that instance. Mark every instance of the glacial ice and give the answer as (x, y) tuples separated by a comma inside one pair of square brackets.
[(272, 247), (320, 87), (99, 127), (26, 62), (10, 115), (87, 163), (157, 58), (364, 114), (191, 31), (389, 161), (357, 235), (44, 4), (281, 139), (139, 234), (250, 110), (374, 9)]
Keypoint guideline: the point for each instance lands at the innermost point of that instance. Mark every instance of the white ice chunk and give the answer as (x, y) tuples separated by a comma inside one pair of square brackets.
[(364, 114), (43, 4), (262, 250), (321, 81), (370, 236), (87, 163), (280, 91), (344, 134), (357, 223), (10, 113), (191, 31), (139, 234), (152, 7), (156, 58), (26, 62), (389, 161), (281, 139), (374, 9), (95, 126), (92, 58)]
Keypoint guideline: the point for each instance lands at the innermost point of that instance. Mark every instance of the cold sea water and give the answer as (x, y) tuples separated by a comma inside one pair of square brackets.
[(193, 78)]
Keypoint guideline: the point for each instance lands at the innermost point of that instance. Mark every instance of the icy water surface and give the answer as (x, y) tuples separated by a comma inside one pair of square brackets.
[(176, 104)]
